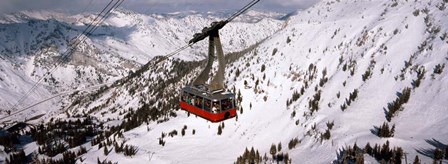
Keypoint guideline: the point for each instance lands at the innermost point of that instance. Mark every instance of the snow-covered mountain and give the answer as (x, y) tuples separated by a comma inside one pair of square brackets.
[(333, 76), (34, 41)]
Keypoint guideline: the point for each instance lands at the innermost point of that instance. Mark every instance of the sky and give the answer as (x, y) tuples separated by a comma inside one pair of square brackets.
[(153, 6)]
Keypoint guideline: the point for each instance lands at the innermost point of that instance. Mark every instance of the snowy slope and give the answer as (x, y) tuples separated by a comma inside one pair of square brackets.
[(382, 36)]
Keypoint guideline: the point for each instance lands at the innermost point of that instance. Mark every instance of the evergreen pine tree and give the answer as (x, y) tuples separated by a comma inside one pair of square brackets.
[(239, 97), (385, 151), (398, 155), (359, 158), (446, 152), (326, 135), (355, 147), (105, 150), (257, 156), (376, 151), (286, 160), (416, 160), (438, 154), (368, 149), (252, 155), (245, 155), (392, 131), (384, 130), (219, 129), (273, 150)]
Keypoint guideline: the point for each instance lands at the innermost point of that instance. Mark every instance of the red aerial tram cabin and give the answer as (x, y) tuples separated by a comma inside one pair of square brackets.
[(213, 107), (211, 101)]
